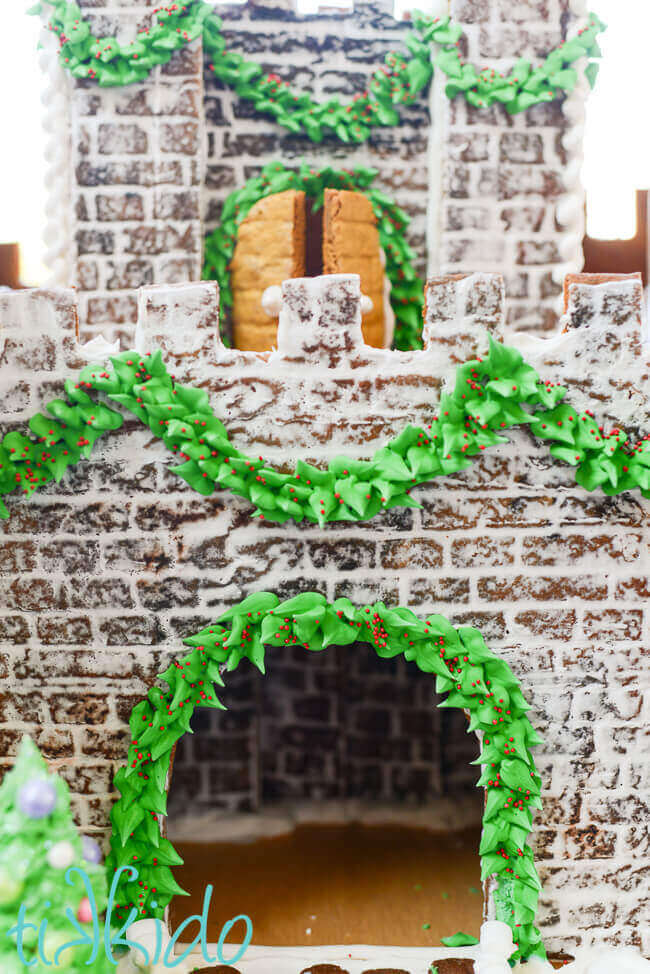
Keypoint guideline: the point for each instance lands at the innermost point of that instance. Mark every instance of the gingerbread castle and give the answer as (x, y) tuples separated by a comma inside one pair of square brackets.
[(106, 572), (109, 569)]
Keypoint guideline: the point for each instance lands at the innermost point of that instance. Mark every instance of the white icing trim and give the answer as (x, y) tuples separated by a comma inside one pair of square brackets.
[(495, 948), (593, 960), (438, 128), (58, 211), (358, 958), (353, 958), (569, 211), (99, 349)]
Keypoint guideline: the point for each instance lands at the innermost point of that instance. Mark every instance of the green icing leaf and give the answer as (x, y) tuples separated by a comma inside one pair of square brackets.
[(459, 940)]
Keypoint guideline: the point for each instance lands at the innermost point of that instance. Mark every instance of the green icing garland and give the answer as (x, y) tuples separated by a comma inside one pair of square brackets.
[(467, 673), (407, 288), (488, 397), (402, 78)]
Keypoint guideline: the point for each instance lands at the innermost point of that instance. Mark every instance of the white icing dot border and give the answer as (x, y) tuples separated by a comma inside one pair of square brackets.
[(56, 124)]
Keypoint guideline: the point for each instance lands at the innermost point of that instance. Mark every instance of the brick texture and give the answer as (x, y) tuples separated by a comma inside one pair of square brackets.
[(137, 177), (103, 574), (502, 176)]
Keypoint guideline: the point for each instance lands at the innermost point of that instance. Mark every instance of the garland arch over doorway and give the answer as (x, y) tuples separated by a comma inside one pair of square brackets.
[(467, 673)]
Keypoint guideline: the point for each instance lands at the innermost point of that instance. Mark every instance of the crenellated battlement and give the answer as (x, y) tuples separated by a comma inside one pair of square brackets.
[(323, 390)]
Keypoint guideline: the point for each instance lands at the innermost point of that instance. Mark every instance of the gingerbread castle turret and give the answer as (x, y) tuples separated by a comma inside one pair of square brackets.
[(147, 168)]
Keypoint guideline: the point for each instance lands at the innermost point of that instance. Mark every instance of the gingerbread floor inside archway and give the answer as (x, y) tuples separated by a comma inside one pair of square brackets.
[(339, 884)]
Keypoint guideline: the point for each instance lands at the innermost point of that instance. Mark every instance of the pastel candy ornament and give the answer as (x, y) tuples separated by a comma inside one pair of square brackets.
[(84, 911), (37, 798), (52, 942), (61, 855), (10, 887), (90, 849)]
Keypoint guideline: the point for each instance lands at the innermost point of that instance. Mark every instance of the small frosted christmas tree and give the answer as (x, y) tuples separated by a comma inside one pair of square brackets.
[(39, 843)]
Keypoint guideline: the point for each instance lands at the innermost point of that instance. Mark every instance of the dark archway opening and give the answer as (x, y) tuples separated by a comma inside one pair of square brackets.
[(333, 803)]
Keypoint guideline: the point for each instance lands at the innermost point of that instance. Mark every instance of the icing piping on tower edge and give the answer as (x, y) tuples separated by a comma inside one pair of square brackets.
[(570, 207), (55, 100)]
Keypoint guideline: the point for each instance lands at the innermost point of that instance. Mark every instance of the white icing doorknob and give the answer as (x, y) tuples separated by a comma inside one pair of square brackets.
[(272, 300), (366, 304)]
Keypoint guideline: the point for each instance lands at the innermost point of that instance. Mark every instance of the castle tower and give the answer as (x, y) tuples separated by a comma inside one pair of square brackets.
[(147, 167)]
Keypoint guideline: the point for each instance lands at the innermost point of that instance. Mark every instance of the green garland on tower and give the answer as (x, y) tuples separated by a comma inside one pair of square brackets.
[(399, 82), (407, 289), (489, 397), (467, 674)]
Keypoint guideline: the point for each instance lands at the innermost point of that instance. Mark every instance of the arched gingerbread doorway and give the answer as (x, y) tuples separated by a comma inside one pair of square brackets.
[(330, 792), (469, 676)]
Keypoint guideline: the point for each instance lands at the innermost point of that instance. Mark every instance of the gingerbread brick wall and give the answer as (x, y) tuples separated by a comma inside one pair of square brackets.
[(137, 176), (153, 163), (508, 181), (332, 55), (103, 574), (337, 725)]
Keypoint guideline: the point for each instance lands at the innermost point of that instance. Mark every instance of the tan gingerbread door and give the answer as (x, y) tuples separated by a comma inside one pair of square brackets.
[(351, 246), (270, 248), (283, 237)]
